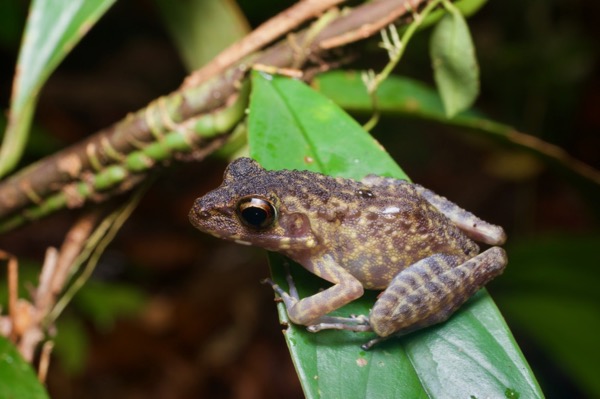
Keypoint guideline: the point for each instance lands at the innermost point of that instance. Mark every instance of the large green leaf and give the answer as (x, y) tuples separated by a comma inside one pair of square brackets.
[(53, 28), (17, 378), (304, 143), (471, 355)]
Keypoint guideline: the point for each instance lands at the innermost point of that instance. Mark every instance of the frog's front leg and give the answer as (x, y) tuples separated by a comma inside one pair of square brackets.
[(312, 309)]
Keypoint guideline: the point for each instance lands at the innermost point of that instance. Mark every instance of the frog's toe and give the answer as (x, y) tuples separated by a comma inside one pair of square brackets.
[(339, 326), (355, 323), (268, 281), (372, 342), (289, 301)]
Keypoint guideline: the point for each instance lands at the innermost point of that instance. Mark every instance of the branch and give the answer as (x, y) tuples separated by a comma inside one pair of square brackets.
[(263, 35), (193, 117)]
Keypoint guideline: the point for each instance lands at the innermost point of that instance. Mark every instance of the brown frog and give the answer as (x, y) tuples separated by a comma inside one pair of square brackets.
[(379, 233)]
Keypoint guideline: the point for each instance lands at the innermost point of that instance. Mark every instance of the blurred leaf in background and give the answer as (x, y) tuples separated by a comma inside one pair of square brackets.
[(454, 63), (52, 30), (202, 28)]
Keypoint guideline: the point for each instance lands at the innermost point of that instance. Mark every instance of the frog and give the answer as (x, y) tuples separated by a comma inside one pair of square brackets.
[(380, 233)]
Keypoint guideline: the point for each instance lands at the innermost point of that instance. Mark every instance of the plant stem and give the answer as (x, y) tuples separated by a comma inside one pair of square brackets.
[(395, 49)]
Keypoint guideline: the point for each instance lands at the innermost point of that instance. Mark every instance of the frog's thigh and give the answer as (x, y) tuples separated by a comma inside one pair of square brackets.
[(429, 291)]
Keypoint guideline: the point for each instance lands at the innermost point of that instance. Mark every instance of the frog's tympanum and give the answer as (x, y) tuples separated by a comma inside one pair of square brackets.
[(379, 234)]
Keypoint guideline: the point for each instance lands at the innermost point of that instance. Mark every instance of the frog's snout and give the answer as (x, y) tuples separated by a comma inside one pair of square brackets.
[(200, 213), (197, 215)]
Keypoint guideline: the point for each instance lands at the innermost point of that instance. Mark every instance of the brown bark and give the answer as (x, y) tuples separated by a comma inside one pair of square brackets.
[(49, 175)]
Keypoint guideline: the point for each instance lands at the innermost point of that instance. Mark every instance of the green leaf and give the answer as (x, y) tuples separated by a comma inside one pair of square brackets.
[(471, 355), (455, 67), (17, 378), (53, 28), (296, 146), (202, 28)]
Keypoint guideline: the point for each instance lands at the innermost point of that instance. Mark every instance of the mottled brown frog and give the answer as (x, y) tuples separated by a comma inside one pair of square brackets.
[(379, 233)]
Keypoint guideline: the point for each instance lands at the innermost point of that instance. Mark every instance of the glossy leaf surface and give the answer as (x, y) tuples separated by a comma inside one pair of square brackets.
[(202, 28), (471, 355)]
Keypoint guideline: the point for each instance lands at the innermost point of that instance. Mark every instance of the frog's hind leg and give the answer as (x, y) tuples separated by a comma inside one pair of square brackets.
[(429, 291), (470, 224)]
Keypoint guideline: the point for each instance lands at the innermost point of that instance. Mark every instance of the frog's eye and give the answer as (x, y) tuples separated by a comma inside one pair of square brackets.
[(256, 212)]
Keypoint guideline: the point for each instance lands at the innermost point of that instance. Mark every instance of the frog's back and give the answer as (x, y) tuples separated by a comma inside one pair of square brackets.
[(373, 230)]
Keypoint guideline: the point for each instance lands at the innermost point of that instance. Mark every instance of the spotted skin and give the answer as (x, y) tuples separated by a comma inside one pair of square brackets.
[(379, 233)]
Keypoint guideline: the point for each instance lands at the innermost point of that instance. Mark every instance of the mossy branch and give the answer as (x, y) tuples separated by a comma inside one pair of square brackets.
[(197, 117)]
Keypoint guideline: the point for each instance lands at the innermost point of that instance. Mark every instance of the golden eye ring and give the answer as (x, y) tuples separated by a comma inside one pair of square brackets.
[(256, 213)]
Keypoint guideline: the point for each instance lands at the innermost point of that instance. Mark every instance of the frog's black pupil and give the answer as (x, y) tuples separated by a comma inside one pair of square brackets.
[(254, 216), (256, 212)]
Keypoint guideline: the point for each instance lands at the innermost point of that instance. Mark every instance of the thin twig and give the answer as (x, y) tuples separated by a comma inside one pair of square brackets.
[(555, 152), (75, 240), (370, 28), (98, 242), (45, 360), (260, 37), (13, 291), (43, 292), (395, 47)]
